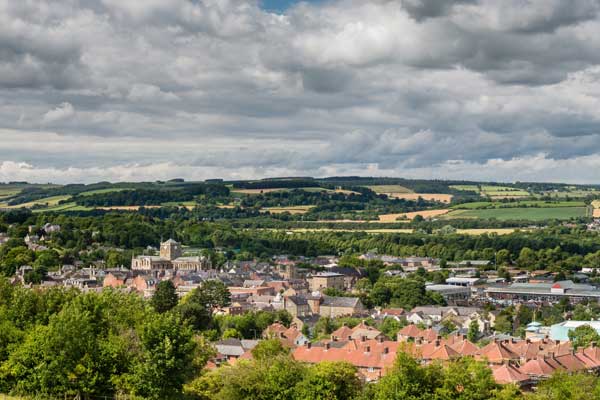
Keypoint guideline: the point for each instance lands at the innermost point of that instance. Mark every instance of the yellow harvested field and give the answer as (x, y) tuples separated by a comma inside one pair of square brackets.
[(291, 210), (596, 205), (411, 215), (389, 189), (257, 191), (444, 198)]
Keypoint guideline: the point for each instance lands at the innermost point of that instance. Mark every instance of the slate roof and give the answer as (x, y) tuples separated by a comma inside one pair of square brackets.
[(340, 301)]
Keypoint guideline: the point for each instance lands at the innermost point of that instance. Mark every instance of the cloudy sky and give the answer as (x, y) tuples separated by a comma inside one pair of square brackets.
[(96, 90)]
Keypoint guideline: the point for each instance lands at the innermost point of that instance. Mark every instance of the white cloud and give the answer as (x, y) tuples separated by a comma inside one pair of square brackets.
[(60, 113)]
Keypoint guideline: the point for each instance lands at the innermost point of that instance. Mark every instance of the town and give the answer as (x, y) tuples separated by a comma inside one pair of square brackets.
[(362, 309)]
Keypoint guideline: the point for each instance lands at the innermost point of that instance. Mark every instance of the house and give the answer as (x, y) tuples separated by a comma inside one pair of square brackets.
[(229, 350), (143, 284), (359, 332), (371, 357), (330, 306), (290, 337), (327, 280), (114, 279), (297, 306)]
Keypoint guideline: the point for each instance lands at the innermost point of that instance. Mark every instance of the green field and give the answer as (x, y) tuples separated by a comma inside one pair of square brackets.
[(389, 189), (517, 204), (63, 207), (50, 201), (466, 188), (532, 214), (497, 191), (8, 191), (101, 191)]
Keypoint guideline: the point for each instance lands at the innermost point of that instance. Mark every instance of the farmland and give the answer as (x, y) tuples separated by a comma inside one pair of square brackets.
[(529, 213), (518, 204), (442, 198), (389, 189), (49, 201), (411, 215), (292, 210), (466, 188)]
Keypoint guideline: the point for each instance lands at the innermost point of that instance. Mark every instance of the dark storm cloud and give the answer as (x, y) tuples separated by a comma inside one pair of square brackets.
[(423, 9)]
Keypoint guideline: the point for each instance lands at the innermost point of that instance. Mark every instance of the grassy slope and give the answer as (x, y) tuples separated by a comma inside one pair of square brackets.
[(519, 204), (533, 214)]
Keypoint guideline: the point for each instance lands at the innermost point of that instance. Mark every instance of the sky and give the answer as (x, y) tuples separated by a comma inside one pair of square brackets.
[(124, 90)]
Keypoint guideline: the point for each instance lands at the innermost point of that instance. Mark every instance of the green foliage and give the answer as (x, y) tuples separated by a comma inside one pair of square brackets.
[(166, 355), (266, 349), (473, 332), (211, 294), (464, 379), (565, 386), (390, 327), (583, 336), (329, 381), (403, 292), (165, 297)]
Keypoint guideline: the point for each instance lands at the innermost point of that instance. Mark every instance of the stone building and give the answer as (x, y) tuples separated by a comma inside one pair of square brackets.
[(170, 258)]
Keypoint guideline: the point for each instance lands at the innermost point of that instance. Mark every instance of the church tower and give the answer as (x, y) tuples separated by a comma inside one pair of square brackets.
[(170, 250)]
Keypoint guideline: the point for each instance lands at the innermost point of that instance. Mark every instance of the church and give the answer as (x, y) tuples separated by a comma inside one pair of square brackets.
[(170, 258)]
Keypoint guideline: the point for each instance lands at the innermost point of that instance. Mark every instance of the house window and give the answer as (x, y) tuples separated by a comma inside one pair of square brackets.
[(371, 369)]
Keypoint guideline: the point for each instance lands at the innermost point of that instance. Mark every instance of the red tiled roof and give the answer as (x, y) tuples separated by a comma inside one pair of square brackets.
[(444, 352), (429, 335), (410, 331), (465, 348), (497, 352), (538, 367), (342, 333), (505, 374), (571, 363)]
